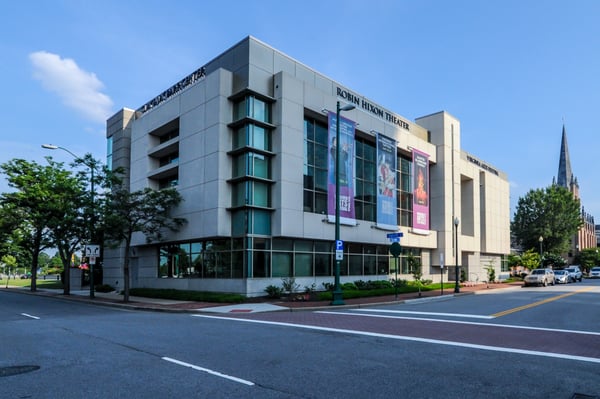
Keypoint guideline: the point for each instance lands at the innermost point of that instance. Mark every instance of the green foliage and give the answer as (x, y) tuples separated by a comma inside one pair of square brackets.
[(530, 259), (588, 258), (147, 211), (552, 213), (273, 291), (104, 288), (553, 260), (491, 272), (349, 287), (289, 285)]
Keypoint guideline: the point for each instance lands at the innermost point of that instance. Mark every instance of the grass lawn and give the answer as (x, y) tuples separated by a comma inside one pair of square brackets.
[(40, 283)]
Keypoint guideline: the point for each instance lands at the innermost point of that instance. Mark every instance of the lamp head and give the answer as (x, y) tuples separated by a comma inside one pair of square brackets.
[(50, 146), (347, 107)]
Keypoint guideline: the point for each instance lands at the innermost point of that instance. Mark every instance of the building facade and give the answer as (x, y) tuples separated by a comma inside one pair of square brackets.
[(249, 142)]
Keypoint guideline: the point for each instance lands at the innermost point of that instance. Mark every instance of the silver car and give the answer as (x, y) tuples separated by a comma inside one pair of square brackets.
[(539, 277), (562, 277)]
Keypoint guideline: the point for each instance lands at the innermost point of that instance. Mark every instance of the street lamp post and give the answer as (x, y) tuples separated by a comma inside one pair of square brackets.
[(91, 227), (541, 240), (338, 297), (456, 271)]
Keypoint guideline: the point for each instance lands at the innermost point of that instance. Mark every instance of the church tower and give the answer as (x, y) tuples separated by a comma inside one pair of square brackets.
[(565, 176), (586, 236)]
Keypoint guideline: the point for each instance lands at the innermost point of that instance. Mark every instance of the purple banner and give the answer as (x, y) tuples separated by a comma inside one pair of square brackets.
[(420, 191), (386, 183), (346, 175)]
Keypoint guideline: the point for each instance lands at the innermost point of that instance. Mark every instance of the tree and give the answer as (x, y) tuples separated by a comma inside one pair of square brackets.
[(27, 208), (67, 224), (588, 258), (552, 213), (530, 259), (414, 265), (553, 260), (146, 211)]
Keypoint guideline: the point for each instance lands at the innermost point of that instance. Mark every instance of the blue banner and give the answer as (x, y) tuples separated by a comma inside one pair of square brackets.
[(346, 175)]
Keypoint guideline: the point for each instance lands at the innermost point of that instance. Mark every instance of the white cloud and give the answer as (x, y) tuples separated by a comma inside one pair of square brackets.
[(77, 88)]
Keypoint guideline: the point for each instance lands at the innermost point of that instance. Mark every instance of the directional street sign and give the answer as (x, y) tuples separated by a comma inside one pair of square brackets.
[(395, 237), (92, 250)]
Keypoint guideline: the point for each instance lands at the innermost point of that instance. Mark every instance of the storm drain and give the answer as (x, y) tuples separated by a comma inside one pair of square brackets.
[(14, 370)]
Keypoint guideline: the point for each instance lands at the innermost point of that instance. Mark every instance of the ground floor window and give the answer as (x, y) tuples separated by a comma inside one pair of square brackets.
[(262, 257)]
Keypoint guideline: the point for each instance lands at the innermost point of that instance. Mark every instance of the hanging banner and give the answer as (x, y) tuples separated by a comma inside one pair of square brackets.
[(346, 175), (386, 183), (420, 192)]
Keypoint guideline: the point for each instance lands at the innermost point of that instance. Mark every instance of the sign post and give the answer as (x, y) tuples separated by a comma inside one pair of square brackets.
[(442, 271), (395, 250), (91, 251)]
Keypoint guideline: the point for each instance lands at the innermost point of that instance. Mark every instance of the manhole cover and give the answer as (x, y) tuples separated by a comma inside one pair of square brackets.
[(14, 370)]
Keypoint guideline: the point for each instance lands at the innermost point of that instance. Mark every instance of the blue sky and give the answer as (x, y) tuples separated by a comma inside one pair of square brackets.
[(510, 71)]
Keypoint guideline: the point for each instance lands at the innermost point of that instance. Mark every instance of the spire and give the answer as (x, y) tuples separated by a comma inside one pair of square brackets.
[(565, 175)]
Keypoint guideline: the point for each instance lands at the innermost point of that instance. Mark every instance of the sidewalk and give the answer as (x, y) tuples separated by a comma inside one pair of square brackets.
[(255, 305)]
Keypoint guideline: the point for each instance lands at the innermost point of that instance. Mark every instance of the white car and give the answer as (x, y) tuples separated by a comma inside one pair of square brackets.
[(595, 272), (539, 277)]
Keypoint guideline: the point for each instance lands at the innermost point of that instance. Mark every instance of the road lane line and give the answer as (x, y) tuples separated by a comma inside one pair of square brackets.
[(471, 323), (542, 302), (470, 316), (30, 316), (209, 371), (415, 339)]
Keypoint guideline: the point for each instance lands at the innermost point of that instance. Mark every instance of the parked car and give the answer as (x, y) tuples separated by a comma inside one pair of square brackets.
[(562, 277), (539, 277), (595, 272), (575, 273)]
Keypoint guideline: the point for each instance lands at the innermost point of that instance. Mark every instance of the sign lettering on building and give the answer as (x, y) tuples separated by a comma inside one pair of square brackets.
[(372, 108)]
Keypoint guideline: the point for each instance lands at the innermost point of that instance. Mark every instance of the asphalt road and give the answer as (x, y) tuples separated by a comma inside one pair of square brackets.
[(515, 343)]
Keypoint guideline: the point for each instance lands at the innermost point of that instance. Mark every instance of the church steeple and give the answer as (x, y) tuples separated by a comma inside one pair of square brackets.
[(565, 174)]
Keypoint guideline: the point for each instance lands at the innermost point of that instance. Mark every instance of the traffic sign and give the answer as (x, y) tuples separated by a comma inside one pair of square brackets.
[(92, 250), (395, 237), (339, 250), (395, 249)]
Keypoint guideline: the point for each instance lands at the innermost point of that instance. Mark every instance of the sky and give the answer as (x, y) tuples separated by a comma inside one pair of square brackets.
[(512, 71)]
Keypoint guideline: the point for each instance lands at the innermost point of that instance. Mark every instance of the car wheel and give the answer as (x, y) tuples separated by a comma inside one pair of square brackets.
[(545, 283)]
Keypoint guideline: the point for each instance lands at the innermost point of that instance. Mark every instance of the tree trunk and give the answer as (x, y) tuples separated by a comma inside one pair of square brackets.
[(126, 271)]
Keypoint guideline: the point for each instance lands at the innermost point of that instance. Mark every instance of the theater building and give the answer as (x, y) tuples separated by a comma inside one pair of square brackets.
[(250, 141)]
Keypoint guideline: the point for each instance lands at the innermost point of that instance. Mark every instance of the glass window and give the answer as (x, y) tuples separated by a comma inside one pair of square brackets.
[(365, 198), (404, 193), (282, 264), (260, 222), (303, 265), (323, 264), (109, 152), (315, 166)]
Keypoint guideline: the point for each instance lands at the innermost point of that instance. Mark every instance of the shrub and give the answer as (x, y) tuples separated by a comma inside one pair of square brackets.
[(289, 285), (274, 291), (104, 288)]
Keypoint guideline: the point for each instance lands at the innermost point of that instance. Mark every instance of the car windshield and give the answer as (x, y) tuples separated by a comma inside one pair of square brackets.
[(538, 271), (560, 272), (596, 269)]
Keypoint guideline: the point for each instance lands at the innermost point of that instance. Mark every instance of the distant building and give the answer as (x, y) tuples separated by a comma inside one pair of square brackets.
[(247, 141), (586, 236)]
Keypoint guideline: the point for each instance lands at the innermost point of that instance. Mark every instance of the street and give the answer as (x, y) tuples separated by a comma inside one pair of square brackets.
[(512, 343)]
